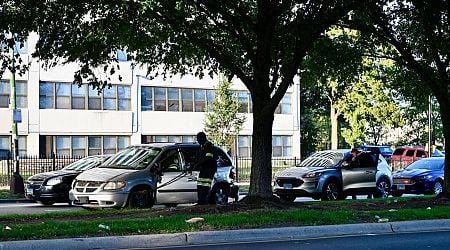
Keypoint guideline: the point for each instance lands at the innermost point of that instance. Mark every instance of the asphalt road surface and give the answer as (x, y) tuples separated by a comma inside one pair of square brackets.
[(421, 240)]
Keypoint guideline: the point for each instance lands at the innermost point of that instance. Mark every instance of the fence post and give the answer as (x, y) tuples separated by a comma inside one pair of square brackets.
[(53, 161), (237, 167)]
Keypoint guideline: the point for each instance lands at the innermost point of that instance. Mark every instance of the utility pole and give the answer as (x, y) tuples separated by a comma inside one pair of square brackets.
[(16, 184)]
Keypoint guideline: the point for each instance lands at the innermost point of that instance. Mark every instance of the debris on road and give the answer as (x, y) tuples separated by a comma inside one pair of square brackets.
[(104, 227), (383, 220), (194, 220), (6, 228)]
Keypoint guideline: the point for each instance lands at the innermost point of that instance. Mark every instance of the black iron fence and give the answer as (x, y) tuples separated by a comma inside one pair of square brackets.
[(31, 165)]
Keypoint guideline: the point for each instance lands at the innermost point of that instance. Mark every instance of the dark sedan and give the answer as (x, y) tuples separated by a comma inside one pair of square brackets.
[(425, 176), (52, 187)]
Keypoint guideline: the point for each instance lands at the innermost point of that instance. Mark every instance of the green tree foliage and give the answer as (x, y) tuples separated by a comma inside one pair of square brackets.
[(420, 32), (222, 121), (261, 42)]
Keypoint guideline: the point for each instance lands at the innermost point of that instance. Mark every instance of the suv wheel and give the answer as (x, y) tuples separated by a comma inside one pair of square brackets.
[(437, 187), (141, 198), (331, 191), (383, 188), (288, 198), (220, 197)]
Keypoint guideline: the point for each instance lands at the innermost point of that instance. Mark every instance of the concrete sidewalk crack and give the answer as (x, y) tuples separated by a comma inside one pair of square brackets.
[(392, 227), (186, 237)]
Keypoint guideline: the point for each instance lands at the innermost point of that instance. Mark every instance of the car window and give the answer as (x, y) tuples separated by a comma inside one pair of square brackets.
[(83, 164), (190, 155), (366, 160), (171, 161), (326, 159), (410, 152), (420, 153), (426, 164), (222, 159), (398, 151), (132, 158)]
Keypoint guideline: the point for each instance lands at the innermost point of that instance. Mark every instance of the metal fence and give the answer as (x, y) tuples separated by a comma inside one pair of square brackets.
[(31, 165), (243, 166)]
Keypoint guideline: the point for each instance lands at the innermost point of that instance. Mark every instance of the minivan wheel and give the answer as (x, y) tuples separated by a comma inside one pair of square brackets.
[(438, 187), (141, 198), (383, 188), (331, 191)]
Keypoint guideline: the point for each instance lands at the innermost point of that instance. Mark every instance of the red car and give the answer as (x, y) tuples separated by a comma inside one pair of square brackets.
[(403, 156)]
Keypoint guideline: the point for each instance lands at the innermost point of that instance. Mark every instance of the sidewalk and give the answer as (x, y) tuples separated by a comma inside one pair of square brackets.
[(195, 238)]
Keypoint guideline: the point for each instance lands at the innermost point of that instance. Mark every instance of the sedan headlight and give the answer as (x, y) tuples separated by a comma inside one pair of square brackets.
[(312, 174), (424, 177), (114, 185), (54, 181)]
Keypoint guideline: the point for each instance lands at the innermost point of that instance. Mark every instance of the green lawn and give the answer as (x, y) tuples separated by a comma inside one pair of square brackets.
[(128, 222)]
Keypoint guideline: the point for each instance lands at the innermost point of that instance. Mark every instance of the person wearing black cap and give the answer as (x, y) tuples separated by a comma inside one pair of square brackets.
[(207, 166)]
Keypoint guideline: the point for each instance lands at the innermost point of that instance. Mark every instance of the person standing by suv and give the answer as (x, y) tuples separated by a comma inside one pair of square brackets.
[(207, 166)]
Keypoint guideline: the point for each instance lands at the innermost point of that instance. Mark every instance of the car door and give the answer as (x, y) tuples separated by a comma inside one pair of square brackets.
[(177, 185), (362, 176)]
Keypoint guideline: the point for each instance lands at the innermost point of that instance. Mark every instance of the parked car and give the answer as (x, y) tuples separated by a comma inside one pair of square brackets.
[(385, 151), (425, 176), (53, 187), (327, 175), (403, 156), (142, 175)]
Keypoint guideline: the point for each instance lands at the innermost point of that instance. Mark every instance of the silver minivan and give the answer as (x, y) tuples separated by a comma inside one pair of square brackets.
[(142, 175)]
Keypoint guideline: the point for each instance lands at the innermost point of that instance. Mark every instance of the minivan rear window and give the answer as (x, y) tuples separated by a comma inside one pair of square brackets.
[(410, 152), (399, 151)]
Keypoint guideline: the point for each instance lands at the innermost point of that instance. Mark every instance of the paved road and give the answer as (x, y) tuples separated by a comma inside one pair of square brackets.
[(418, 240)]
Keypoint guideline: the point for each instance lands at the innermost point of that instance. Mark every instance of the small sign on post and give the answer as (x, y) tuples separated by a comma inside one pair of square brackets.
[(17, 116)]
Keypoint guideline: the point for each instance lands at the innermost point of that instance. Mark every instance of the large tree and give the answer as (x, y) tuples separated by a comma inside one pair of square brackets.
[(262, 42), (420, 32)]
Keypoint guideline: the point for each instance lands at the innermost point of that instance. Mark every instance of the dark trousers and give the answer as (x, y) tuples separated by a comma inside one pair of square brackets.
[(202, 195)]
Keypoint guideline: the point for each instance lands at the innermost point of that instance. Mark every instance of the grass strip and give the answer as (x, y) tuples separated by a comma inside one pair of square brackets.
[(6, 194), (172, 224)]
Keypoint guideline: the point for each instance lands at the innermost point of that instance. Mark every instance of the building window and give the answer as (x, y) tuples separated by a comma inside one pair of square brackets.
[(95, 100), (109, 144), (95, 145), (110, 98), (173, 96), (146, 98), (63, 96), (63, 145), (160, 99), (284, 107), (281, 146), (210, 94), (78, 96), (245, 145), (167, 138), (6, 143), (46, 95), (243, 99), (187, 102), (124, 95), (123, 142), (200, 100), (5, 93), (78, 146)]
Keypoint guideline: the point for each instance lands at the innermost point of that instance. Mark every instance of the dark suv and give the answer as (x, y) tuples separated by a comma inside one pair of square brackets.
[(327, 175), (141, 175)]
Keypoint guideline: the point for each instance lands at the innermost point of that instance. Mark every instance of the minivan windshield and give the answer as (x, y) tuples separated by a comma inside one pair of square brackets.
[(132, 158), (325, 159)]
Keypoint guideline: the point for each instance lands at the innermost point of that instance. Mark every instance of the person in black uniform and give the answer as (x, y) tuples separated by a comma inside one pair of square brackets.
[(207, 165)]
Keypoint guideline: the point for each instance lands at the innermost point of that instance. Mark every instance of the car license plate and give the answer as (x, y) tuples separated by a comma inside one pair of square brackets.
[(30, 190), (287, 185), (401, 187), (83, 199)]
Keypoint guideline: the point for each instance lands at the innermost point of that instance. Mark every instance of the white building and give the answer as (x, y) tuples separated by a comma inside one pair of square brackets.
[(60, 117)]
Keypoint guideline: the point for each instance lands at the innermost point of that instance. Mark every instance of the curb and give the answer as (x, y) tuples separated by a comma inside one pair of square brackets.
[(17, 201), (196, 238)]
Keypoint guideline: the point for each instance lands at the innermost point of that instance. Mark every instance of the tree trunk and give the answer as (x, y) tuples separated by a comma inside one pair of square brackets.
[(334, 114), (261, 174), (445, 116)]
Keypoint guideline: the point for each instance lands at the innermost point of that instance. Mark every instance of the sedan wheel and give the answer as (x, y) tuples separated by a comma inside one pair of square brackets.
[(437, 187), (288, 198), (331, 191)]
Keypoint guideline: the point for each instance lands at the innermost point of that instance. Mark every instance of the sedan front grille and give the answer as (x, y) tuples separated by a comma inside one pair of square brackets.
[(293, 181), (87, 186)]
